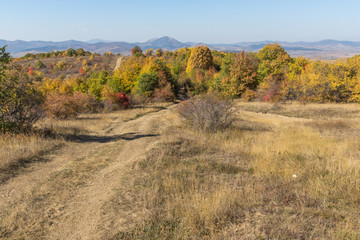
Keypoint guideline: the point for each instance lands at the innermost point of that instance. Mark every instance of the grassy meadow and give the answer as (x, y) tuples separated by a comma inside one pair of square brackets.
[(284, 171)]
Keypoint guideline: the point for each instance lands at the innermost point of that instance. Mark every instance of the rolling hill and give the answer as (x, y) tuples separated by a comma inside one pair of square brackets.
[(326, 49)]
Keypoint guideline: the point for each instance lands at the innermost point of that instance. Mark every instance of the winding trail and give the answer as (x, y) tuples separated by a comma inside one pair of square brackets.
[(66, 196)]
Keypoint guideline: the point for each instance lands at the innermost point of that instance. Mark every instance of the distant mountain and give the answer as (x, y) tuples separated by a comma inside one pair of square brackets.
[(164, 42), (321, 49)]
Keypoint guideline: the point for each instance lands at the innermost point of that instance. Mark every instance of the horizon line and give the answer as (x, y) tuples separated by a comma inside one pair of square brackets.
[(155, 38)]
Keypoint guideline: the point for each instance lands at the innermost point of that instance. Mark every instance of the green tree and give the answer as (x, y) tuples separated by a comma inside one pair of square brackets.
[(273, 60), (4, 59), (147, 83), (273, 64), (80, 52), (70, 53), (40, 64), (96, 82)]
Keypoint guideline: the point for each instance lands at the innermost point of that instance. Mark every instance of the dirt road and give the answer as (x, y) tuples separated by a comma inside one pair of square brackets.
[(68, 196)]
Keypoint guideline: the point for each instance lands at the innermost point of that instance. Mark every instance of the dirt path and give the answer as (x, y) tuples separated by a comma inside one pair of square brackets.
[(65, 198)]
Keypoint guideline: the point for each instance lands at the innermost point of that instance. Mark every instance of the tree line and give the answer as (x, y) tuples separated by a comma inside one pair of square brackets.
[(269, 75)]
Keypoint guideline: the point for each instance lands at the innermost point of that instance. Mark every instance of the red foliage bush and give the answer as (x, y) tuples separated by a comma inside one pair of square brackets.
[(81, 71), (120, 99), (266, 98), (31, 71)]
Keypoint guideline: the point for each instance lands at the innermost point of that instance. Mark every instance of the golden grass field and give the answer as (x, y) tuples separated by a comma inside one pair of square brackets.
[(282, 171)]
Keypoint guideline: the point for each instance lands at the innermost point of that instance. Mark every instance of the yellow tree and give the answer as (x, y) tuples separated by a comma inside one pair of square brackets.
[(243, 74), (200, 58), (127, 74)]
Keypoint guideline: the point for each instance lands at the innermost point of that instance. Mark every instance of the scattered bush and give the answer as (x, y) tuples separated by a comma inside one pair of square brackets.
[(65, 106), (164, 94), (61, 65), (249, 95), (20, 101), (115, 100), (208, 113), (120, 99), (40, 64)]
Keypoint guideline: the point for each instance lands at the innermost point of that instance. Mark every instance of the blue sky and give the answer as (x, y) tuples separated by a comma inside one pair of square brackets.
[(210, 21)]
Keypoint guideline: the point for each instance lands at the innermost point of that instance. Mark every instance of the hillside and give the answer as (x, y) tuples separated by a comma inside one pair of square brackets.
[(69, 66)]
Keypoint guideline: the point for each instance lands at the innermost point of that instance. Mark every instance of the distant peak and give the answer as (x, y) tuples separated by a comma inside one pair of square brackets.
[(164, 38)]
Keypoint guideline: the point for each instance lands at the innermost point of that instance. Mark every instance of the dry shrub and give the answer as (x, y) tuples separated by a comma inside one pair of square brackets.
[(65, 106), (249, 95), (208, 113), (164, 95)]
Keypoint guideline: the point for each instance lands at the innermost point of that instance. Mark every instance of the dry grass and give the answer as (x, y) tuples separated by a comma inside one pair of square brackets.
[(17, 151), (32, 216), (270, 177), (293, 173), (96, 122), (308, 111)]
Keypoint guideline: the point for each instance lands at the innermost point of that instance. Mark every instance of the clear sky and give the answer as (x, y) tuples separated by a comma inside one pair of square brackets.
[(208, 21)]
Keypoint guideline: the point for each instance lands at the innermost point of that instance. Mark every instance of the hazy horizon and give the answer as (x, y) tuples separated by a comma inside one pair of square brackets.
[(210, 22), (233, 42)]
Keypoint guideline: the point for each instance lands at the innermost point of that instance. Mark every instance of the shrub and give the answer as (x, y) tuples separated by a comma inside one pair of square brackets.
[(115, 100), (164, 94), (31, 71), (208, 113), (122, 100), (20, 101), (61, 65), (40, 64), (249, 95), (65, 106)]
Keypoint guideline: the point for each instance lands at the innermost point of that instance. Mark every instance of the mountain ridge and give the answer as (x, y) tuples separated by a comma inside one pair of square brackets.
[(327, 48)]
